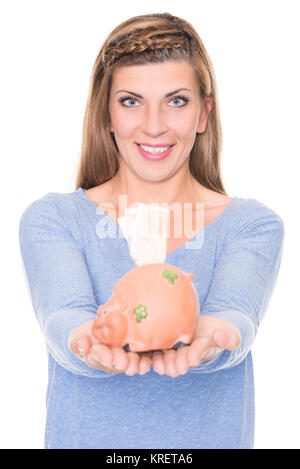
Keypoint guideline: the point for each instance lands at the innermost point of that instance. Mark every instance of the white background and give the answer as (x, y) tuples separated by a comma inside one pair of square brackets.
[(47, 52)]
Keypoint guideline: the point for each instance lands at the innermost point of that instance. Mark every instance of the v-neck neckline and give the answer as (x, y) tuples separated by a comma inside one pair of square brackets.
[(175, 251)]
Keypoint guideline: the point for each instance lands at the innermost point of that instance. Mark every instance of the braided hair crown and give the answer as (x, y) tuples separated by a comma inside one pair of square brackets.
[(145, 40)]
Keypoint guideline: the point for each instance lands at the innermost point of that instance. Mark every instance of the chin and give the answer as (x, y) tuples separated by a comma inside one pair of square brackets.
[(154, 177)]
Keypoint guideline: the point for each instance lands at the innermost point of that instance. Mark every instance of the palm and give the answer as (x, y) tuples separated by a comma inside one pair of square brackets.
[(212, 334)]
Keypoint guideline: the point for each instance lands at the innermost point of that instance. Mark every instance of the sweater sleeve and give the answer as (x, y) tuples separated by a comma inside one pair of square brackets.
[(244, 279), (57, 281)]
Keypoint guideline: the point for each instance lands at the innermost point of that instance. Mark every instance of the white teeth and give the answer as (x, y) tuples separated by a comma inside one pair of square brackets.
[(154, 150)]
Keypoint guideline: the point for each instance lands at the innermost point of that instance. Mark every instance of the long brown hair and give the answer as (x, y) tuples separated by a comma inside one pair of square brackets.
[(143, 39)]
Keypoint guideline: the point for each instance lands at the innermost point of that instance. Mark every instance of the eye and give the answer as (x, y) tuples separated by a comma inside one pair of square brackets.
[(123, 99), (178, 98)]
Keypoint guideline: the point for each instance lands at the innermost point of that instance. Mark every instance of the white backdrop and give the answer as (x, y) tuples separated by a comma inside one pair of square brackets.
[(47, 52)]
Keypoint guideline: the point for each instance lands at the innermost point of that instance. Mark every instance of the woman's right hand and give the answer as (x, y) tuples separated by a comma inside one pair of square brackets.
[(103, 357)]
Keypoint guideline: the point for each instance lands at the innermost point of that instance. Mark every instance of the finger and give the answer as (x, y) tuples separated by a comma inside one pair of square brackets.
[(133, 363), (101, 353), (197, 349), (169, 358), (228, 340), (158, 362), (210, 353), (181, 363), (120, 359), (92, 362), (80, 346), (145, 364)]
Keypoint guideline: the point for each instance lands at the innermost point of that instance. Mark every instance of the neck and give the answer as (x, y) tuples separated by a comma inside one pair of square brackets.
[(180, 188)]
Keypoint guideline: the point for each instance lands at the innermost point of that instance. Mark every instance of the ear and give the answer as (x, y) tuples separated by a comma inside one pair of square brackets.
[(206, 108)]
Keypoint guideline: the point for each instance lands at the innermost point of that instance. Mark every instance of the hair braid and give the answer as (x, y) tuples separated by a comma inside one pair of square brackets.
[(133, 45)]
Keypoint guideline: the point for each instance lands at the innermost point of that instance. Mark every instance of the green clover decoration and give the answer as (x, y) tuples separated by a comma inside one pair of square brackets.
[(170, 275), (141, 312)]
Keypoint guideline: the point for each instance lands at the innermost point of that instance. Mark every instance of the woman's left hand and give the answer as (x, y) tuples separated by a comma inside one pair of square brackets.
[(212, 335)]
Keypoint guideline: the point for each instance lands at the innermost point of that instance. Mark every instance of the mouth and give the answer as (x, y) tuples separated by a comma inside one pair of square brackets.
[(157, 152)]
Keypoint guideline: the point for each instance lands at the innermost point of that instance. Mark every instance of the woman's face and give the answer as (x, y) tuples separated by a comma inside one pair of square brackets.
[(156, 104)]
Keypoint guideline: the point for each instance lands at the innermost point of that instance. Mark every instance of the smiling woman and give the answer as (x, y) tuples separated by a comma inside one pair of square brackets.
[(156, 122), (152, 133), (181, 58), (155, 151)]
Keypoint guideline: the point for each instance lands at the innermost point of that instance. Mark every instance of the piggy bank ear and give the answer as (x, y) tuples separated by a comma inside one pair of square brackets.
[(122, 301), (190, 276)]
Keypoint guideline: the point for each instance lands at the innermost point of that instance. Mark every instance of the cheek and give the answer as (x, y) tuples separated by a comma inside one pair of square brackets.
[(124, 124), (185, 125)]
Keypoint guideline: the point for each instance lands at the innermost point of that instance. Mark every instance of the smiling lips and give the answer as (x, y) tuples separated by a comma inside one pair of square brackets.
[(155, 145), (154, 152)]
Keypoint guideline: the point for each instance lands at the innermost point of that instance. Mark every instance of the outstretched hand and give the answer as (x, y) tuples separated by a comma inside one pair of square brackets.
[(212, 336), (103, 357)]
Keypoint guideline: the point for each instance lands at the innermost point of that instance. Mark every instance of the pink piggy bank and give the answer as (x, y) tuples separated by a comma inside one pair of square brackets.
[(153, 307)]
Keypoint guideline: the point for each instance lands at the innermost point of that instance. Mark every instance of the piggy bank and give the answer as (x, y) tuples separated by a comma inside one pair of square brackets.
[(152, 307)]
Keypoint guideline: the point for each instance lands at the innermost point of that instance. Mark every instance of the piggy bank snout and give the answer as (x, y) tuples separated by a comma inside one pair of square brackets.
[(110, 327), (111, 320)]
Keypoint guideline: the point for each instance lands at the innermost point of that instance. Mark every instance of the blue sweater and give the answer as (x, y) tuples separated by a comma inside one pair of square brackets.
[(70, 270)]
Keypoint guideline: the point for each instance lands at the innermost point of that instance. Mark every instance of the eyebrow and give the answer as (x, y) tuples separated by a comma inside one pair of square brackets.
[(166, 95)]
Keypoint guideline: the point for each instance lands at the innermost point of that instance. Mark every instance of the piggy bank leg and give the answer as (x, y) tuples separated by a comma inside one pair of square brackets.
[(179, 345), (135, 346)]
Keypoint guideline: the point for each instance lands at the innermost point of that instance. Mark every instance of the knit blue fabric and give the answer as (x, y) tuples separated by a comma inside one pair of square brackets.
[(70, 268)]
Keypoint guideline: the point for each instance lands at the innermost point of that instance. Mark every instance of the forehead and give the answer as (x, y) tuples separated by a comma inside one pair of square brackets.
[(160, 76)]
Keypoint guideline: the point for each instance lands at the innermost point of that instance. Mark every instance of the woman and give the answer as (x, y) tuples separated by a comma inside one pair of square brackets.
[(151, 132)]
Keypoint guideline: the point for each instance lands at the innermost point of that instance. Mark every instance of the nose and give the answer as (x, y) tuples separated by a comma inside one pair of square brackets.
[(154, 123)]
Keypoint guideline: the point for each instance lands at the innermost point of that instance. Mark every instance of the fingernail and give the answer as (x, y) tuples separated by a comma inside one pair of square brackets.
[(80, 347)]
